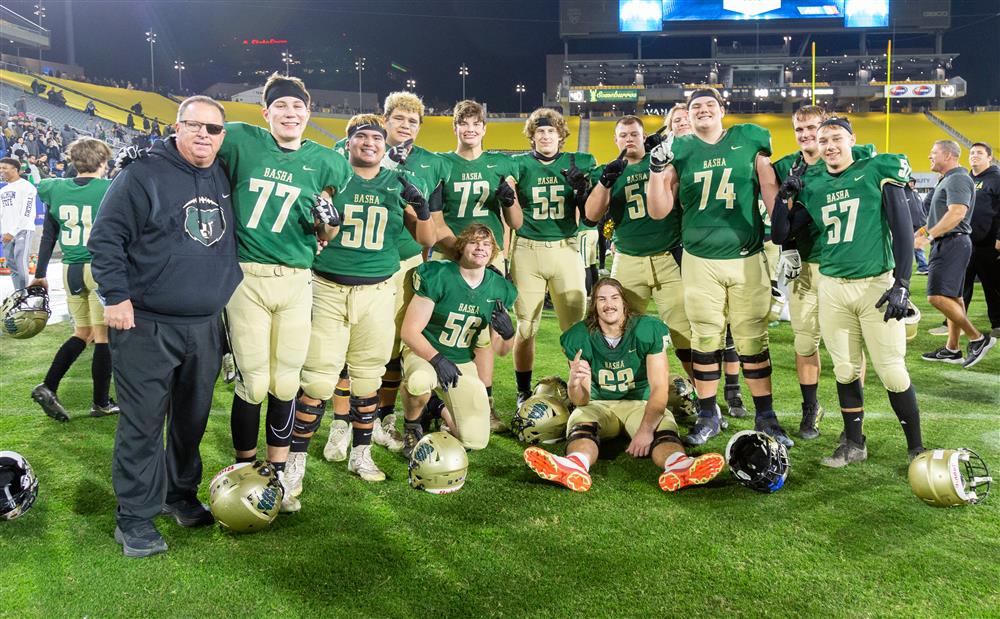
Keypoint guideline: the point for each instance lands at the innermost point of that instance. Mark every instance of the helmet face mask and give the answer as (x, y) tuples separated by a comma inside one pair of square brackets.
[(18, 485), (25, 312), (540, 419), (439, 464), (245, 497), (950, 477), (757, 461)]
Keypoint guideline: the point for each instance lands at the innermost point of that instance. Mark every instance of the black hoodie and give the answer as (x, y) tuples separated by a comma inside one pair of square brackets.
[(986, 212), (164, 238)]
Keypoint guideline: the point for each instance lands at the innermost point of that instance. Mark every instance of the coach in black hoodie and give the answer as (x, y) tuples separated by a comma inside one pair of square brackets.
[(985, 261), (164, 257)]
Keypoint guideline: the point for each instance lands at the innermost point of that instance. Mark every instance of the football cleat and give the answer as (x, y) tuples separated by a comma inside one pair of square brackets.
[(496, 424), (736, 407), (384, 433), (111, 408), (339, 440), (46, 398), (705, 428), (700, 470), (809, 426), (558, 469), (294, 473), (361, 463), (413, 431), (768, 424), (847, 452)]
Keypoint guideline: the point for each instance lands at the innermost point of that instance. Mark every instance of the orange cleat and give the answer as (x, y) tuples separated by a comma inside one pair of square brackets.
[(561, 470), (702, 470)]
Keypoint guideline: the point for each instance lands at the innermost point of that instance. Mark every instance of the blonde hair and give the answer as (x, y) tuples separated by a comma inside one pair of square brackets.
[(474, 232), (402, 100), (468, 109), (668, 121), (87, 154), (555, 119), (807, 111)]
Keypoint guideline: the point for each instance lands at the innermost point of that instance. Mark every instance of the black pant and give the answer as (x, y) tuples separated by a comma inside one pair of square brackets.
[(163, 373), (984, 263)]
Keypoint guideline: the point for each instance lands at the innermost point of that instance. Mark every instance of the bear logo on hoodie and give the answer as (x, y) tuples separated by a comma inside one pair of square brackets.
[(204, 221)]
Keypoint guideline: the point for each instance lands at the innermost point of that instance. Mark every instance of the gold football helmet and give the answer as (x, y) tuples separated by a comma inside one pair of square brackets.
[(438, 464), (553, 386), (950, 477), (245, 497), (542, 418)]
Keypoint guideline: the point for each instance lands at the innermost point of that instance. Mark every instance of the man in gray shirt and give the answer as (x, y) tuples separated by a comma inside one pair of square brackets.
[(948, 226)]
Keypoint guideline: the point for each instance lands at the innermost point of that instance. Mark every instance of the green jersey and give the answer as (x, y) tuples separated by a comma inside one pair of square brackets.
[(637, 234), (469, 194), (546, 198), (273, 193), (847, 207), (74, 207), (718, 191), (807, 236), (618, 372), (461, 312), (371, 213)]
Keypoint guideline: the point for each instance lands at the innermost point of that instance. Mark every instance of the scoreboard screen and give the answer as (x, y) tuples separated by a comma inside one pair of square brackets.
[(655, 15)]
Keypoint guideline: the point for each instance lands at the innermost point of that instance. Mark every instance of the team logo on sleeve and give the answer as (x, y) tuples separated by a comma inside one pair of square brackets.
[(204, 221)]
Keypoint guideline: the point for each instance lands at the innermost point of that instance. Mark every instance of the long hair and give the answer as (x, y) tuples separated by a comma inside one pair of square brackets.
[(591, 318)]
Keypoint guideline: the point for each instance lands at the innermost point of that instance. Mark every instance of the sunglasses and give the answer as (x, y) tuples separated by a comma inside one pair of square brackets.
[(195, 126)]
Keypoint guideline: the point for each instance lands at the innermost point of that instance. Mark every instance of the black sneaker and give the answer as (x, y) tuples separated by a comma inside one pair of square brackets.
[(768, 424), (847, 452), (522, 396), (978, 350), (736, 407), (111, 408), (943, 354), (189, 513), (809, 426), (705, 428), (47, 399), (140, 540)]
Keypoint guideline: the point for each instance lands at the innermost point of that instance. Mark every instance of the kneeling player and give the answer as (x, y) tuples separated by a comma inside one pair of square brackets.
[(453, 304), (618, 381), (865, 265)]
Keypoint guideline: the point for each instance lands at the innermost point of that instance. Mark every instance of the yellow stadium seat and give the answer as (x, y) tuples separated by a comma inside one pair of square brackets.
[(977, 127)]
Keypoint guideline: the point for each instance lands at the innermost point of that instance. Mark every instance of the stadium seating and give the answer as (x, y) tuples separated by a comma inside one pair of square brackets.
[(73, 100), (154, 106), (977, 127)]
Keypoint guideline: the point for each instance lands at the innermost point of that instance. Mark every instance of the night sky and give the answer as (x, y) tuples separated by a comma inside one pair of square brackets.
[(502, 43)]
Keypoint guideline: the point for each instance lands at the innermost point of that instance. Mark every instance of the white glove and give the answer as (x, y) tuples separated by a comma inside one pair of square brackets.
[(662, 154), (789, 265)]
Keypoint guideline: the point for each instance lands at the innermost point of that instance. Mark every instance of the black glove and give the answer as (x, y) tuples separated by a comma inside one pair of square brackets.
[(128, 154), (793, 184), (653, 140), (324, 212), (400, 152), (447, 371), (500, 321), (614, 169), (898, 299), (415, 199), (505, 193), (575, 177)]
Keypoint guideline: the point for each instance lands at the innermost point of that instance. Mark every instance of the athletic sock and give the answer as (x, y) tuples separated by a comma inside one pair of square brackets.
[(385, 411), (763, 404), (100, 374), (853, 423), (904, 404), (706, 407), (809, 393), (523, 381), (489, 393), (241, 459), (580, 458), (64, 358), (361, 436), (676, 460)]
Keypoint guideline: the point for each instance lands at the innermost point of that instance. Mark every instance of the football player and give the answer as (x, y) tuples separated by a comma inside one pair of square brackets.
[(452, 303), (72, 206), (354, 295), (799, 264), (865, 267), (282, 184), (552, 186), (618, 380), (647, 251), (478, 188), (717, 175), (403, 113)]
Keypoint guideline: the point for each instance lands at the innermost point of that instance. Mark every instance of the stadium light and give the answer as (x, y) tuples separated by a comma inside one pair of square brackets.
[(179, 65), (359, 66), (519, 89), (411, 84), (40, 12), (464, 72), (288, 59), (151, 37)]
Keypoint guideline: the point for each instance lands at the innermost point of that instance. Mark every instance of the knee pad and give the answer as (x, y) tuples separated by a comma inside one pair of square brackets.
[(664, 436), (751, 346), (366, 380), (851, 395), (846, 372), (806, 345), (303, 412), (251, 389), (707, 358), (894, 378), (683, 354), (421, 382), (527, 329), (584, 431), (286, 385), (761, 357)]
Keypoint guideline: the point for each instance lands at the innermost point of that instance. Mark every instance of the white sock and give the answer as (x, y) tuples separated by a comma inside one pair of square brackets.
[(582, 457), (676, 460)]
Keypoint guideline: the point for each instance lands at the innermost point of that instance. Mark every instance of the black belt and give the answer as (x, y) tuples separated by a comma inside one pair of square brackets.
[(950, 235)]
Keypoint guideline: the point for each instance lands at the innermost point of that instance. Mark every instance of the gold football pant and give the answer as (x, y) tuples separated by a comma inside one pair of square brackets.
[(658, 277), (803, 301), (85, 307), (612, 416), (737, 290), (537, 266), (467, 402)]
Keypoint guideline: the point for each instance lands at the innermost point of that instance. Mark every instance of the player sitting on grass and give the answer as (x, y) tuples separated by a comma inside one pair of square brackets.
[(618, 381)]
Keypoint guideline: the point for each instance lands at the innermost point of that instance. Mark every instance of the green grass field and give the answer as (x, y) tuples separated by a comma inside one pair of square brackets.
[(847, 543)]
